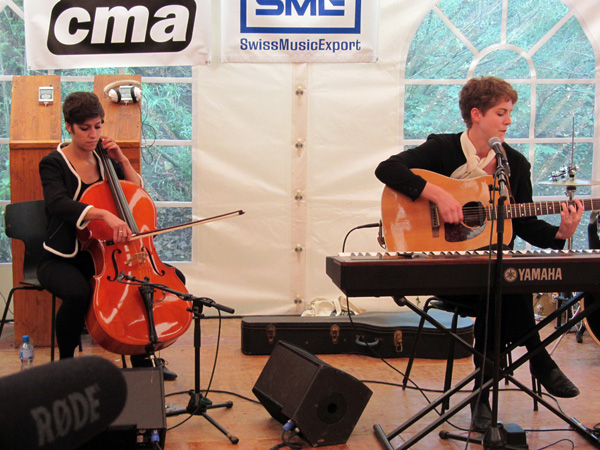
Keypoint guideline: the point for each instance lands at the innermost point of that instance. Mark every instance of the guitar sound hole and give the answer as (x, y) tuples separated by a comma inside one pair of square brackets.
[(474, 214)]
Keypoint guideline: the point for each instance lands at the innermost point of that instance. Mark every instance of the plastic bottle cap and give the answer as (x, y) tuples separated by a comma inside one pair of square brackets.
[(26, 338)]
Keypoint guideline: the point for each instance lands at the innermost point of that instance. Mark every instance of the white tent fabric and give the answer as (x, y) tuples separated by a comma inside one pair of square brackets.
[(249, 118)]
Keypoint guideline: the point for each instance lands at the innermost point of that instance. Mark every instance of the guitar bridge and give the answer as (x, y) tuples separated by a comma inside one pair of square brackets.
[(434, 214)]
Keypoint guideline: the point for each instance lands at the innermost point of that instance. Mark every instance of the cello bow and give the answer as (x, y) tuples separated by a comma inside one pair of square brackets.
[(182, 226)]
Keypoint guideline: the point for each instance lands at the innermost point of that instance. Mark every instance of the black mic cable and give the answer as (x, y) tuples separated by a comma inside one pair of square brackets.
[(368, 225)]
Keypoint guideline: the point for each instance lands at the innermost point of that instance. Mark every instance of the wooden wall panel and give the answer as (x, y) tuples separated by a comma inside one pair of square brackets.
[(34, 132)]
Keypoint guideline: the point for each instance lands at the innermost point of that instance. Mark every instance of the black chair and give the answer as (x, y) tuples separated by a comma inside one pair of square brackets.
[(458, 310), (27, 221)]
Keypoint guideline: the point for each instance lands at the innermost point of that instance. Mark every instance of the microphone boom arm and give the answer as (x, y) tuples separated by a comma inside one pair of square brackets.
[(182, 295)]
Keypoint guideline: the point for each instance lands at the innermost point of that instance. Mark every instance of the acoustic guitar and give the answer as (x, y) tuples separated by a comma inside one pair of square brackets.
[(416, 226)]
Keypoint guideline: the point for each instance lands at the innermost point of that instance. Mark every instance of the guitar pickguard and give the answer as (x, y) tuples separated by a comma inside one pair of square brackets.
[(458, 232), (474, 224)]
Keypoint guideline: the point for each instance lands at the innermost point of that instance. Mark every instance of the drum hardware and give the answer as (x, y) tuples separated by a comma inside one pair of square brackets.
[(579, 332), (543, 304), (591, 323), (565, 176), (570, 182), (559, 299)]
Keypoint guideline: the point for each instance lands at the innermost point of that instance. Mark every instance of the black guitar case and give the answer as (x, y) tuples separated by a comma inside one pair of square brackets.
[(377, 334)]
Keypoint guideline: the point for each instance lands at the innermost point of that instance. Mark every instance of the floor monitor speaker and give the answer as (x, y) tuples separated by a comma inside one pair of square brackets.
[(143, 418), (323, 402)]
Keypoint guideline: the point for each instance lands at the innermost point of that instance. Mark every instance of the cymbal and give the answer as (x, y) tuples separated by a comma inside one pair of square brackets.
[(570, 182)]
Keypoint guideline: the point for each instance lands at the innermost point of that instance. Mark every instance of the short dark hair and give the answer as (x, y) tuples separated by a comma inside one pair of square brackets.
[(484, 93), (81, 106)]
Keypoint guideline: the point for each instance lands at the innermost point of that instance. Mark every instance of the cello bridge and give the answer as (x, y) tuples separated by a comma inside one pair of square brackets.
[(138, 258)]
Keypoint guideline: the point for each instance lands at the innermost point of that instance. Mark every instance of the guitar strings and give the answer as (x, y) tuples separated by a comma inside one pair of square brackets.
[(521, 209)]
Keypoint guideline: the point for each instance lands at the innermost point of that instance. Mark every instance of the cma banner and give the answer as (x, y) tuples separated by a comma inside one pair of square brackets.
[(67, 34), (299, 30)]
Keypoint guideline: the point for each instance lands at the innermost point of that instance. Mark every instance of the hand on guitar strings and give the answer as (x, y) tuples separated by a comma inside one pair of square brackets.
[(570, 216)]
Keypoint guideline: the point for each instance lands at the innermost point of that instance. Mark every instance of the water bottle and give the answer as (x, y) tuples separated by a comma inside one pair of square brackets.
[(26, 353)]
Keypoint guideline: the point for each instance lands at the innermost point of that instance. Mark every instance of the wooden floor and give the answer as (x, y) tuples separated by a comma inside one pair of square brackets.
[(389, 406)]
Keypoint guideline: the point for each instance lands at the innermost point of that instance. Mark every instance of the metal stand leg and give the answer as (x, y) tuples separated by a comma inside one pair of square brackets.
[(198, 403)]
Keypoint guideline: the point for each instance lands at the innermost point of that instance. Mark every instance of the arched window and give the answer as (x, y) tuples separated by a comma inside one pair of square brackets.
[(546, 56)]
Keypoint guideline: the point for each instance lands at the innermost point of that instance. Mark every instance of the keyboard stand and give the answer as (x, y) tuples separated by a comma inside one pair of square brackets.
[(385, 439)]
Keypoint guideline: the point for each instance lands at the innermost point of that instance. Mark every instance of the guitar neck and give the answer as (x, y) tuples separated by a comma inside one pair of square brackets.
[(514, 211)]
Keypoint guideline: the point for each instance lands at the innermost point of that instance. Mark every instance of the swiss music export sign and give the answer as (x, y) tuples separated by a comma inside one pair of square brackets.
[(299, 30)]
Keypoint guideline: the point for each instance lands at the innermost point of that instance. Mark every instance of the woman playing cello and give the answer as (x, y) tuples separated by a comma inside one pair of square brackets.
[(65, 270)]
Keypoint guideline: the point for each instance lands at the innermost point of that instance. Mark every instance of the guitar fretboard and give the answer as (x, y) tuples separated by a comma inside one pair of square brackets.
[(539, 208)]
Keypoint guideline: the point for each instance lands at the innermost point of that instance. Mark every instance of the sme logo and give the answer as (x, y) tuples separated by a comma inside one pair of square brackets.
[(301, 16), (120, 26)]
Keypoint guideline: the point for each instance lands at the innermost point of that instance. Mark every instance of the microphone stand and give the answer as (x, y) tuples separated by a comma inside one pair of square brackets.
[(198, 404), (496, 437)]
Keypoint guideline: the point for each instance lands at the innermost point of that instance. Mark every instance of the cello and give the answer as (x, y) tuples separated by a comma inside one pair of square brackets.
[(130, 318)]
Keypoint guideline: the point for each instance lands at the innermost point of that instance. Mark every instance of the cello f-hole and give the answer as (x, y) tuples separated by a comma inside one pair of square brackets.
[(115, 265), (158, 272)]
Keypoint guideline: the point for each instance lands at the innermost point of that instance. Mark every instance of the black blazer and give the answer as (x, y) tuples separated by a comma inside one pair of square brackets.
[(62, 188)]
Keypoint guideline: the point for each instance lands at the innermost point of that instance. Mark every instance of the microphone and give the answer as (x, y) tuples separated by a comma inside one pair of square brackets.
[(496, 145), (60, 405), (123, 276)]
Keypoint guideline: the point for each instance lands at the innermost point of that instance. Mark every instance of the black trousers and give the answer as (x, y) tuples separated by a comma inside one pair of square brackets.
[(517, 319), (69, 280)]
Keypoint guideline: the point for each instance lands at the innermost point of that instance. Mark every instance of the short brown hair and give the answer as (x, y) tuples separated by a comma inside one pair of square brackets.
[(484, 93), (81, 106)]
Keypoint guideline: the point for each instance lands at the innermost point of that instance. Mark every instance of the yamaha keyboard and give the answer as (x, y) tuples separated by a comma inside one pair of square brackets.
[(381, 274)]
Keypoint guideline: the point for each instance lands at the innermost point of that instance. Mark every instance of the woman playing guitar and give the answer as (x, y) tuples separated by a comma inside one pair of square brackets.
[(65, 270), (486, 104)]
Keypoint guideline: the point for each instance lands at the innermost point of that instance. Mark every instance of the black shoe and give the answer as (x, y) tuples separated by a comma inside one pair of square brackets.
[(168, 375), (481, 415), (145, 361), (555, 382)]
